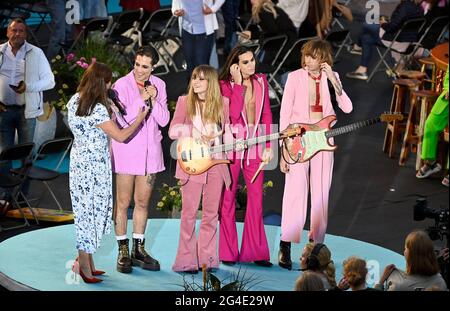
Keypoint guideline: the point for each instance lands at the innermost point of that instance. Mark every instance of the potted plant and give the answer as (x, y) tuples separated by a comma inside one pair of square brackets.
[(170, 199)]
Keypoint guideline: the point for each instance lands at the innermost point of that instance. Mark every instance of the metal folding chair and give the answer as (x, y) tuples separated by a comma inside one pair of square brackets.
[(157, 31), (415, 24), (57, 147), (125, 32), (339, 39), (12, 181)]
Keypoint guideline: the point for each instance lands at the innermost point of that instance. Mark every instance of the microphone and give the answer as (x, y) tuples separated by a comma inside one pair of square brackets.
[(112, 95), (148, 101)]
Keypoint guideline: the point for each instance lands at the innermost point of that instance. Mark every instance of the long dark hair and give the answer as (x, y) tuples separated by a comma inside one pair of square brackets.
[(92, 88), (233, 58)]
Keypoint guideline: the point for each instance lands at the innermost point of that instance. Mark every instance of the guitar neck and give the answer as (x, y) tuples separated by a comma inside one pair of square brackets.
[(351, 127), (247, 143)]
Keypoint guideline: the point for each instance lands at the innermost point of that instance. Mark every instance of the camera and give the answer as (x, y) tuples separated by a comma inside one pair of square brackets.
[(436, 232), (441, 217)]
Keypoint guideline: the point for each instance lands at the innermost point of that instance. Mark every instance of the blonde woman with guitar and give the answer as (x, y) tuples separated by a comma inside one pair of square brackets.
[(306, 99), (202, 115)]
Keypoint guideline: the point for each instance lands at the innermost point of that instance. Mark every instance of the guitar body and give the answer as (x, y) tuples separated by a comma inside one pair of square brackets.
[(194, 157), (303, 148)]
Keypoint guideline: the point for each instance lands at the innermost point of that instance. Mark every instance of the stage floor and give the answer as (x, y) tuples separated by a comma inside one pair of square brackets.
[(42, 260)]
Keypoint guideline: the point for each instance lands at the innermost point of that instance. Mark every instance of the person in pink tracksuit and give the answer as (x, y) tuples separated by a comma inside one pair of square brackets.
[(137, 160), (306, 99), (202, 114), (250, 116)]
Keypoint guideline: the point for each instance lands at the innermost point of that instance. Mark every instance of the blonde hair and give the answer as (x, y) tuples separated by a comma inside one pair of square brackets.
[(326, 265), (317, 49), (420, 258), (213, 109), (355, 271), (309, 281), (266, 5)]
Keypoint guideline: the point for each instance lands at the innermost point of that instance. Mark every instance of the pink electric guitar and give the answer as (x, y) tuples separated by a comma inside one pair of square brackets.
[(315, 136)]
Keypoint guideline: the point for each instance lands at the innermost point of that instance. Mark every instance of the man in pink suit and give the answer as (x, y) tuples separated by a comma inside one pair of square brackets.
[(250, 116), (137, 160), (306, 99)]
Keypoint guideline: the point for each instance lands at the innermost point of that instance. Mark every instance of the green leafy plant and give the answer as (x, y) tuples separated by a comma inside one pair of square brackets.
[(69, 70), (241, 193), (170, 197), (239, 281)]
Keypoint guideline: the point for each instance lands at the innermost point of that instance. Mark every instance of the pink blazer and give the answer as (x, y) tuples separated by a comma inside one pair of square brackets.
[(181, 126), (236, 94), (142, 152), (295, 103)]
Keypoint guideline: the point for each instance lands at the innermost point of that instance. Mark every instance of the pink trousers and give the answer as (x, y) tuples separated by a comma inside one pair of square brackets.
[(254, 242), (193, 253), (314, 175)]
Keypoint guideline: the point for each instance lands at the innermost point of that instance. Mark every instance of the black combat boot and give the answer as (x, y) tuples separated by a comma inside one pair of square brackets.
[(284, 255), (123, 260), (139, 256)]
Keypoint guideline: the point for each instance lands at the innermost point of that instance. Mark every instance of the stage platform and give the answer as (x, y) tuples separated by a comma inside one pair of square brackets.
[(42, 260)]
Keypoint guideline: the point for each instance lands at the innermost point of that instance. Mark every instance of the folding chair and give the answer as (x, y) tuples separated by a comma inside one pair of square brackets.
[(101, 24), (124, 32), (268, 59), (415, 24), (429, 38), (336, 15), (58, 147), (12, 182), (157, 31), (339, 39), (283, 67)]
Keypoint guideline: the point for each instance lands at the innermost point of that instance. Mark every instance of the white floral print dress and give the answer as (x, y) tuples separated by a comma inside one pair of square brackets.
[(90, 176)]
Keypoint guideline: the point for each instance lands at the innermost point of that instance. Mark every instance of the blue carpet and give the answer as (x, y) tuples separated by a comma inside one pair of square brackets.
[(42, 259)]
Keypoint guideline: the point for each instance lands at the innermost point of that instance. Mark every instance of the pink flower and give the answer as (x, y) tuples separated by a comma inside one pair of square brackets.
[(82, 64), (83, 59), (70, 57), (85, 65), (93, 60)]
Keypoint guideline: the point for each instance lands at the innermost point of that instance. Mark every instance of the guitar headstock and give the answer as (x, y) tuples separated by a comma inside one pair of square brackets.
[(292, 130), (391, 116)]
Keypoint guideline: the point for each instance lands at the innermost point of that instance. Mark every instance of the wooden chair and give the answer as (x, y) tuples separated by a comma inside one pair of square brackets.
[(420, 106), (394, 129)]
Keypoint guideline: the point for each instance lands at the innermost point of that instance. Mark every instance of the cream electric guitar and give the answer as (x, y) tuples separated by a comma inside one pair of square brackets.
[(315, 136), (195, 156)]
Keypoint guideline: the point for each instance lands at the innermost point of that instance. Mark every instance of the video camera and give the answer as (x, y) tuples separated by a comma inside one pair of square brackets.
[(441, 217)]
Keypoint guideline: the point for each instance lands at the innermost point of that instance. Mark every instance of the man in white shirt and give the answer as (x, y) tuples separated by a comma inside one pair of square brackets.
[(24, 74)]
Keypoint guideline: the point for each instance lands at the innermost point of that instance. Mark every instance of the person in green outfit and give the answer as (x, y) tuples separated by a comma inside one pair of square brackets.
[(435, 124)]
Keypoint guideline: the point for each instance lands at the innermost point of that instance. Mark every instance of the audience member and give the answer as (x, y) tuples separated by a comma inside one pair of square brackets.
[(61, 30), (309, 281), (316, 257), (422, 268), (355, 273), (384, 33)]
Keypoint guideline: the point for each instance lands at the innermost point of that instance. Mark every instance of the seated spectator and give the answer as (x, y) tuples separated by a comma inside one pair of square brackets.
[(317, 258), (355, 274), (274, 22), (297, 10), (384, 33), (422, 268), (309, 281)]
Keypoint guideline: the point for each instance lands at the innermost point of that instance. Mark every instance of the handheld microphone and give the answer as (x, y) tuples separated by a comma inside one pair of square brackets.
[(148, 101), (112, 94)]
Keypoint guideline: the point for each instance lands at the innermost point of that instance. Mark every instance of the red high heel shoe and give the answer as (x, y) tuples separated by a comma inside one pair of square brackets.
[(94, 272), (84, 277)]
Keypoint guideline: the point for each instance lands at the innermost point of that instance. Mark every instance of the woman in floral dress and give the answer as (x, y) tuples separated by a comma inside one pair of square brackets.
[(90, 177)]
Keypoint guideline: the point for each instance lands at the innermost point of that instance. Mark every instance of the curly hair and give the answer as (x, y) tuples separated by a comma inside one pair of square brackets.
[(355, 271)]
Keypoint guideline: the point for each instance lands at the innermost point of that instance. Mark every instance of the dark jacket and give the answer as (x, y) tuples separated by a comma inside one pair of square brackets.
[(406, 10)]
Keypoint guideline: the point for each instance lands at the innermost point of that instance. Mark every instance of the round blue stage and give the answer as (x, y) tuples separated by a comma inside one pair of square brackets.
[(42, 260)]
